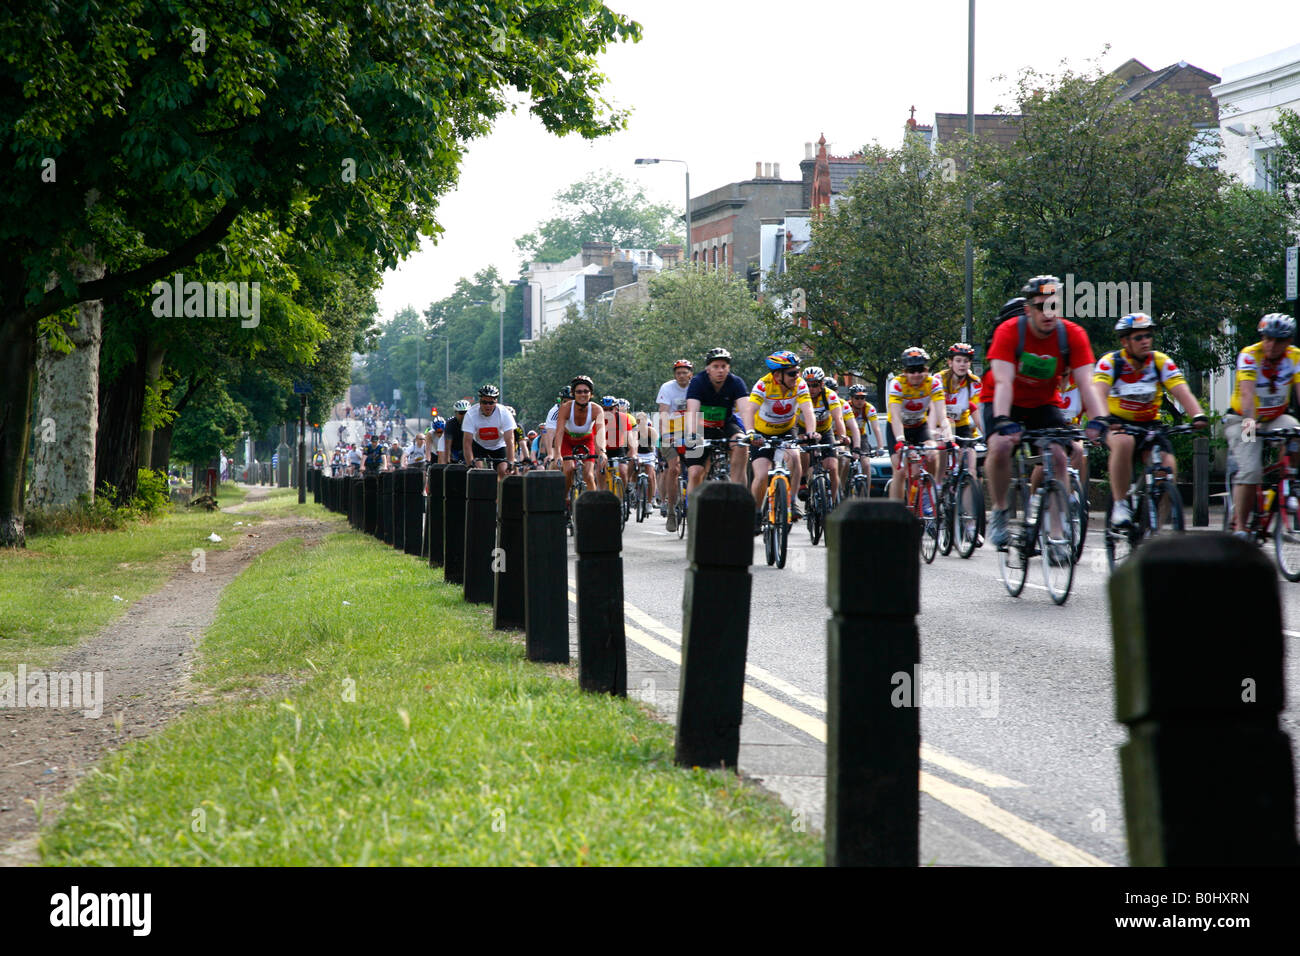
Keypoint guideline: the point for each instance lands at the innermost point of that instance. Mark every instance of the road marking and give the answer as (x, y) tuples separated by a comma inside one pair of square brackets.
[(1292, 633)]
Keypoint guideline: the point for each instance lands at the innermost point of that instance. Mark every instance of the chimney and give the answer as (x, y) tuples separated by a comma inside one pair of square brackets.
[(758, 169), (624, 273), (670, 254), (776, 170), (807, 151), (598, 253)]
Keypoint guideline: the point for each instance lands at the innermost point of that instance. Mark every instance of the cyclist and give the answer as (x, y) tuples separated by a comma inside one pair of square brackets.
[(828, 410), (1266, 372), (916, 408), (1134, 377), (647, 437), (489, 431), (773, 403), (451, 451), (580, 425), (616, 431), (961, 396), (548, 426), (1027, 359), (711, 399), (672, 428)]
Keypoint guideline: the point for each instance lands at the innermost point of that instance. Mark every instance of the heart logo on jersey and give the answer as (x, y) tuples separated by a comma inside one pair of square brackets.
[(782, 408)]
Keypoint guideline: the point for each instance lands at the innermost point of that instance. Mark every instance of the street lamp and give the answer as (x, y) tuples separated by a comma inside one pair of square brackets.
[(419, 384), (651, 162)]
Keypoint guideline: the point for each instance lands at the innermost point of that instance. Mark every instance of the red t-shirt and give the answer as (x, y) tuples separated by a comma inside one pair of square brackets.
[(1039, 368)]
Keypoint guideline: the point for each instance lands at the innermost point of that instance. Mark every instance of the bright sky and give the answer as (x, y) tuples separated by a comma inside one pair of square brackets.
[(723, 84)]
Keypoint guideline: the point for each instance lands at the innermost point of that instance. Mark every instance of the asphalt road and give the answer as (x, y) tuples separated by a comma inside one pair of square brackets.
[(1029, 778)]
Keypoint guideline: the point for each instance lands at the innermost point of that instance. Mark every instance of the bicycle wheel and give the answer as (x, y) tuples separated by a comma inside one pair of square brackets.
[(861, 486), (968, 506), (819, 501), (947, 508), (681, 513), (1286, 539), (642, 498), (1056, 546), (769, 530), (1167, 510), (927, 500), (1120, 542), (781, 518), (1078, 514), (1012, 562)]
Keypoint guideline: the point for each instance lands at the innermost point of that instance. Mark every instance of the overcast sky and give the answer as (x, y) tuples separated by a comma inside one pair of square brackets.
[(723, 84)]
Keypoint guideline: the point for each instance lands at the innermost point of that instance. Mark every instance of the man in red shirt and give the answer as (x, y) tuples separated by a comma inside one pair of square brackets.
[(1025, 381)]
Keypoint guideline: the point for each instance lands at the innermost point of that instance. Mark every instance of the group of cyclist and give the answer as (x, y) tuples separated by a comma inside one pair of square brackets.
[(1041, 374)]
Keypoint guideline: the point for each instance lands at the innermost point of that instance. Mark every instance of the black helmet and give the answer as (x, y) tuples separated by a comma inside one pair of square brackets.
[(566, 393), (717, 353), (915, 357), (1041, 285), (1012, 307)]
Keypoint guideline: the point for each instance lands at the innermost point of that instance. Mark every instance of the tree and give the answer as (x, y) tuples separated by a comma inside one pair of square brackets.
[(884, 270), (133, 130), (1100, 190), (601, 208)]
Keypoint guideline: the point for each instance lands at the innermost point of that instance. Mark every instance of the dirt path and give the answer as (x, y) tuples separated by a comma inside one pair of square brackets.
[(146, 659)]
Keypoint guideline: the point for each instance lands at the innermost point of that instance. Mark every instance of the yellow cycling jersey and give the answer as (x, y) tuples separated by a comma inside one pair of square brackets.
[(869, 415), (1133, 392), (959, 397), (914, 403), (822, 410), (777, 405), (1272, 381)]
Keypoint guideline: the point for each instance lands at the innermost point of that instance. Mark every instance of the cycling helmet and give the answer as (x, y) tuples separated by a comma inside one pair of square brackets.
[(683, 363), (609, 401), (462, 405), (531, 435), (962, 348), (1012, 307), (830, 383), (582, 380), (1041, 285), (489, 391), (915, 358), (814, 374), (781, 361), (1277, 325), (721, 353), (509, 409), (566, 393), (1134, 321), (857, 390), (624, 404), (439, 424)]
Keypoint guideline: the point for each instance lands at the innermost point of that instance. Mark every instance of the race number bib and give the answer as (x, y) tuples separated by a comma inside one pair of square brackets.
[(1042, 367)]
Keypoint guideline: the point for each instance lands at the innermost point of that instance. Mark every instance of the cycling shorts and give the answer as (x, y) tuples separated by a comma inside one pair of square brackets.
[(568, 443)]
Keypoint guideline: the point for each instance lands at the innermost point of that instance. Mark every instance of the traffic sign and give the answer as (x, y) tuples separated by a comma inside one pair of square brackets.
[(1292, 271), (302, 388)]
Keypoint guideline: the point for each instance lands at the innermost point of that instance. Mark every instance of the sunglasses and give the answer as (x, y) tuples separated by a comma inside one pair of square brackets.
[(1142, 336), (582, 391), (487, 401)]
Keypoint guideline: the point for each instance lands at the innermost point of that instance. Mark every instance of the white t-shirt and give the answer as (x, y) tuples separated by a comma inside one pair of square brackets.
[(488, 430), (438, 447), (674, 396), (553, 417)]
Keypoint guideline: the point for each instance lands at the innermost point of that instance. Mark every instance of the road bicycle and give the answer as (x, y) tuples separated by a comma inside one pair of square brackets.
[(1078, 512), (778, 501), (1277, 510), (920, 495), (1039, 525), (819, 492), (639, 493), (578, 485), (961, 502), (614, 483), (719, 470), (1153, 499)]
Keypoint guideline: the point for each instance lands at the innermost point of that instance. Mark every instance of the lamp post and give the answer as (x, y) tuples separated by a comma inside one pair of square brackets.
[(419, 385), (651, 162), (966, 328)]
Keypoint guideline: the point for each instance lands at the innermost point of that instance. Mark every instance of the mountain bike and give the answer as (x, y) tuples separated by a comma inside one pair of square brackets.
[(778, 501), (640, 491), (577, 487), (614, 483), (1275, 498), (920, 495), (1040, 524), (1153, 498), (961, 502), (819, 492)]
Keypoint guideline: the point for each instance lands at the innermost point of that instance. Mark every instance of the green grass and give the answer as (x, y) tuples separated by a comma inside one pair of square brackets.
[(60, 589), (400, 729)]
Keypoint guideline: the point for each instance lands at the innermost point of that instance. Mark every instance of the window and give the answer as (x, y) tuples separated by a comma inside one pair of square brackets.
[(1266, 169), (724, 255)]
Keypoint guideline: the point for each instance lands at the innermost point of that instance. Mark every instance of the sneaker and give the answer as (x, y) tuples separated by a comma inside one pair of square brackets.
[(1121, 515), (1243, 535), (795, 514), (999, 534), (979, 540), (803, 493), (1058, 554), (672, 521), (758, 522)]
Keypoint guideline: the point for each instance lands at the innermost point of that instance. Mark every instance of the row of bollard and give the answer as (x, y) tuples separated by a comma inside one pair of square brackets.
[(1194, 703)]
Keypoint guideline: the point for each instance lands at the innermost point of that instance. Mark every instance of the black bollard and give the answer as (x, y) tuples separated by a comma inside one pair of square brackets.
[(602, 642), (453, 524), (873, 717), (433, 515), (508, 579), (480, 534), (398, 513), (355, 503), (413, 510), (384, 513), (719, 549), (370, 502), (546, 576), (1207, 773)]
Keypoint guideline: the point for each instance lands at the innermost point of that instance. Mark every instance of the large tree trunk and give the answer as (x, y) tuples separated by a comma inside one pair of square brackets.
[(152, 372), (161, 458), (121, 403), (17, 373), (68, 406)]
